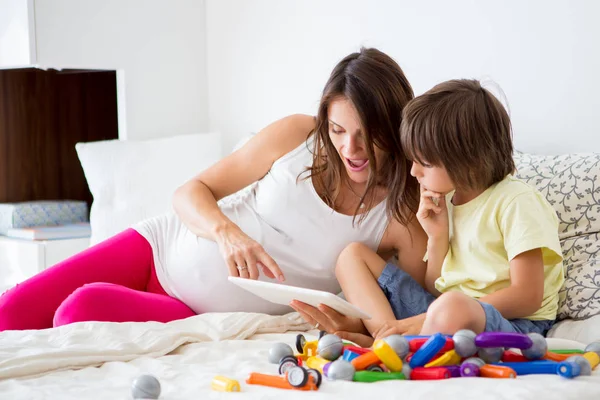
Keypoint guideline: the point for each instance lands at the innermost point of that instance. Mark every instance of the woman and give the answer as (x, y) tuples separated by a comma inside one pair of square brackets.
[(320, 184)]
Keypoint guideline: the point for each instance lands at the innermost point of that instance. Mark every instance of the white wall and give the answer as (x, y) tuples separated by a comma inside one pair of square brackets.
[(270, 58), (17, 37), (158, 44)]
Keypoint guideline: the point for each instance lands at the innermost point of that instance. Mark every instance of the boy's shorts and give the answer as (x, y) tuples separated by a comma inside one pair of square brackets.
[(408, 299)]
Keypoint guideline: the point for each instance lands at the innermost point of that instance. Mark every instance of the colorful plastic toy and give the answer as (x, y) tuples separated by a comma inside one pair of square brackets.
[(565, 369), (491, 354), (388, 356), (538, 348), (584, 364), (372, 376), (316, 362), (283, 382), (503, 339), (278, 351), (145, 387), (399, 344), (447, 359), (223, 384), (349, 355), (416, 343), (594, 347), (363, 361), (330, 347), (429, 349), (340, 370), (286, 363), (464, 343), (426, 374)]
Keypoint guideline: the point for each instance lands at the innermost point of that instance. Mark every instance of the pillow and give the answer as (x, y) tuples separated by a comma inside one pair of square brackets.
[(585, 332), (134, 180), (571, 183)]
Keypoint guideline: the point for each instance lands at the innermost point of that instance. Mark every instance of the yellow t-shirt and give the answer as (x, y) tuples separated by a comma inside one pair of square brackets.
[(507, 219)]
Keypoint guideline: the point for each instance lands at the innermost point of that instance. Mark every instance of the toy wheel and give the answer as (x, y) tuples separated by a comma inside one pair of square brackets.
[(286, 363), (297, 376), (300, 343), (322, 333), (317, 376), (374, 368)]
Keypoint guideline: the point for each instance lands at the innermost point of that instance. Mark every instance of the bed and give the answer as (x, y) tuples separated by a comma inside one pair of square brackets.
[(100, 360)]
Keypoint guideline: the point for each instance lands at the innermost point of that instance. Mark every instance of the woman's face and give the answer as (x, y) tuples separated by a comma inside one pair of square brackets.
[(346, 134)]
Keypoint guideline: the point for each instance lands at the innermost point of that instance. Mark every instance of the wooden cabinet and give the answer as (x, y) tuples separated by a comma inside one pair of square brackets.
[(43, 114)]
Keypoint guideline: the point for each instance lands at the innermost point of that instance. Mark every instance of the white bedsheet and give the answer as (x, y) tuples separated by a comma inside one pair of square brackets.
[(100, 360)]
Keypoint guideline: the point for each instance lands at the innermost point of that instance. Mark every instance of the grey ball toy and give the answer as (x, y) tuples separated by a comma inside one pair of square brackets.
[(593, 347), (399, 344), (406, 370), (475, 360), (491, 355), (145, 387), (584, 364), (278, 351), (341, 370), (538, 349), (464, 343), (330, 347)]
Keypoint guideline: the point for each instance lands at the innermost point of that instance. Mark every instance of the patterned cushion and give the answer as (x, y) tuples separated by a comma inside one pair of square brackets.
[(571, 183)]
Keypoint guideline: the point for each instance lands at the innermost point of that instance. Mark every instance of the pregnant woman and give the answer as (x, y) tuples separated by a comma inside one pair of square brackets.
[(318, 184)]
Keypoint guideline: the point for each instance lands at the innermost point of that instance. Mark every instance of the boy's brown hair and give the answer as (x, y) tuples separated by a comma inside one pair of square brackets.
[(462, 127)]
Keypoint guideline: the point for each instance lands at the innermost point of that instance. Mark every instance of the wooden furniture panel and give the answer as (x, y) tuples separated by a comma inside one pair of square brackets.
[(43, 114)]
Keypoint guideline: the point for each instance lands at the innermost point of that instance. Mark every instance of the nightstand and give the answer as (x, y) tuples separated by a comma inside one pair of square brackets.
[(21, 259)]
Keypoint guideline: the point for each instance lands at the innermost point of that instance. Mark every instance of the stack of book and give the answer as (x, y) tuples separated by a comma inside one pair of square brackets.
[(45, 220)]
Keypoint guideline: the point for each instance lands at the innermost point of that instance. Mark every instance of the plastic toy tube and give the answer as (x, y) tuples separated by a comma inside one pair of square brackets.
[(416, 344), (429, 349), (503, 339), (372, 376), (423, 374)]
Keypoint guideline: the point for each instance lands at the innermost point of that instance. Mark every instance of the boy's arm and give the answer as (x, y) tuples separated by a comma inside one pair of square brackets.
[(525, 294), (436, 253)]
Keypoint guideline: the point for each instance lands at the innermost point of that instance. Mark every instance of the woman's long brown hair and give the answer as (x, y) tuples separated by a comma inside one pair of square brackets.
[(376, 86)]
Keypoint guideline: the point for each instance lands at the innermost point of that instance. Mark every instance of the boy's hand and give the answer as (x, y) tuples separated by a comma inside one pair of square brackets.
[(433, 214), (406, 326)]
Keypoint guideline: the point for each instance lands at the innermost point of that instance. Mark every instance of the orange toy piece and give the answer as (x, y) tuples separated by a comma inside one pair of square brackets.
[(363, 361), (280, 382), (496, 371), (557, 357)]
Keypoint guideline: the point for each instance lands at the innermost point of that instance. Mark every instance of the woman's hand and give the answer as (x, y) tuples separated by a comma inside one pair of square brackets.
[(244, 256), (327, 318), (433, 214)]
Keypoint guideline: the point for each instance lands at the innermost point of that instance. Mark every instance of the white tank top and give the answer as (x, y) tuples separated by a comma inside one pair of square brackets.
[(282, 213)]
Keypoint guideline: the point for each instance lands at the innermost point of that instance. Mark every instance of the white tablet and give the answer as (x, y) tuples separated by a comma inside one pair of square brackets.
[(284, 294)]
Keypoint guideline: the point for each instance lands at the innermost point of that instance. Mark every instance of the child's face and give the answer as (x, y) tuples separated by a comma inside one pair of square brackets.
[(432, 178)]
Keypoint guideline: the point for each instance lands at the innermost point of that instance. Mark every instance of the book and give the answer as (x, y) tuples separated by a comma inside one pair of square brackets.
[(41, 213), (69, 231)]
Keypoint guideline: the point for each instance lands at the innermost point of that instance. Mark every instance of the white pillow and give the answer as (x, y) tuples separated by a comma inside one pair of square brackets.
[(135, 180)]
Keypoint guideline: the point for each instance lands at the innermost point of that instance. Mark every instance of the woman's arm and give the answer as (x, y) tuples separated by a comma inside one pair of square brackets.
[(195, 202), (525, 294)]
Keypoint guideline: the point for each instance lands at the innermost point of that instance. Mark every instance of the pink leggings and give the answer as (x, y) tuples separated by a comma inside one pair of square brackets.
[(112, 281)]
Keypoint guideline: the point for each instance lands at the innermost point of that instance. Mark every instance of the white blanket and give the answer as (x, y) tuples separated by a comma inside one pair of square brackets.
[(101, 360)]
